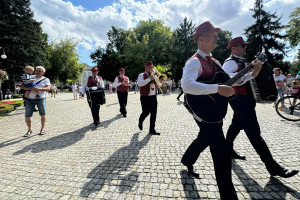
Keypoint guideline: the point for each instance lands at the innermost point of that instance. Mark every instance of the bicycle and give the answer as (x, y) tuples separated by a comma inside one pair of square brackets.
[(286, 109)]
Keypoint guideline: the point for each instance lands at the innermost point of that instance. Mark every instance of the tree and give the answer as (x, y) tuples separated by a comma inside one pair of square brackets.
[(63, 61), (147, 41), (181, 47), (21, 37), (265, 34), (110, 59), (220, 52), (293, 33)]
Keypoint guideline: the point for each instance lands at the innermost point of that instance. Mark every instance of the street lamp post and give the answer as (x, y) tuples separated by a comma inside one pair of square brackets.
[(3, 56)]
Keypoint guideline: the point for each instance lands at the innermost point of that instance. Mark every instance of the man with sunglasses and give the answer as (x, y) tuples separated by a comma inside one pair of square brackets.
[(244, 117)]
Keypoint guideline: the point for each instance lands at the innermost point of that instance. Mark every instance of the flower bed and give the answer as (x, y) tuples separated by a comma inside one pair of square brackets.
[(8, 106)]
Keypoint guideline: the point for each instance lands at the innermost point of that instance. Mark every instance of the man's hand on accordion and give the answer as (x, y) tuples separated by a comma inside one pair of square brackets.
[(257, 64)]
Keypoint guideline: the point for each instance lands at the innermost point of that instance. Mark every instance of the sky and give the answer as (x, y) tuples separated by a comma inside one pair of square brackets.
[(88, 21)]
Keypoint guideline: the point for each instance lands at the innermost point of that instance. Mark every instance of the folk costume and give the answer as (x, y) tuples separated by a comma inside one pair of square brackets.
[(94, 101), (244, 117), (199, 68), (122, 91), (148, 91)]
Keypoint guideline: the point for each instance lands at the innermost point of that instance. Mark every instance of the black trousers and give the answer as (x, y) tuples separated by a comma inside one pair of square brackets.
[(211, 134), (244, 118), (122, 96), (95, 111), (149, 106), (181, 92)]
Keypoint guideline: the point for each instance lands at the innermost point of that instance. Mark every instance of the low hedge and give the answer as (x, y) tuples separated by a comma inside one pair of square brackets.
[(8, 107)]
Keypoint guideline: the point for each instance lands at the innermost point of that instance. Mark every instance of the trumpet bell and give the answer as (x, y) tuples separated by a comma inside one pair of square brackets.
[(162, 78)]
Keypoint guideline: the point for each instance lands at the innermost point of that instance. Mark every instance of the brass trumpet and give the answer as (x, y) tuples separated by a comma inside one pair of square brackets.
[(160, 79)]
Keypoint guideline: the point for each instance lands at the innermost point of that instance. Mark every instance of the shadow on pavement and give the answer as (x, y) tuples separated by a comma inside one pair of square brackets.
[(108, 105), (112, 170), (109, 121), (274, 186), (189, 186), (57, 142), (14, 141)]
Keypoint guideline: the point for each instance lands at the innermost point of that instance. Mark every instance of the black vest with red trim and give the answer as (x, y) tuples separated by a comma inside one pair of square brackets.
[(91, 82), (208, 69), (145, 90), (244, 89), (122, 88)]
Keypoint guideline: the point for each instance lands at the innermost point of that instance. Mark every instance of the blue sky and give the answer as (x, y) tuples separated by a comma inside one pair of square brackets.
[(88, 21)]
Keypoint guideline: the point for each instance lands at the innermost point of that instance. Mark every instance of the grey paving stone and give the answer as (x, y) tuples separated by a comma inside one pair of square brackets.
[(116, 160)]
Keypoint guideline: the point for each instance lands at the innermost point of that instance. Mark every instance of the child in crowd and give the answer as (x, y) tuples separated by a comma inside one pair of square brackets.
[(28, 81)]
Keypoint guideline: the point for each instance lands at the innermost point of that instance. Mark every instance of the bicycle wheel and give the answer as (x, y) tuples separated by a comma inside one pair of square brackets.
[(286, 110)]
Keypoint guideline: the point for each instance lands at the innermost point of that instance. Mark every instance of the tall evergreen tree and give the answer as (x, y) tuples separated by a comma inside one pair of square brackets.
[(21, 36), (265, 34), (182, 47)]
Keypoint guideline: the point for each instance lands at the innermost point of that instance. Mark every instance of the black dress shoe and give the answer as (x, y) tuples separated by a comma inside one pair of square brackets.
[(153, 132), (96, 123), (283, 172), (235, 155), (140, 125), (124, 116), (190, 169)]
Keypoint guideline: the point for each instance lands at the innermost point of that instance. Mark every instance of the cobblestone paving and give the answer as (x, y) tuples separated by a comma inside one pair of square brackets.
[(74, 160)]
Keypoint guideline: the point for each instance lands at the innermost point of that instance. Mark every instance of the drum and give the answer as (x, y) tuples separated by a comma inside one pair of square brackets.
[(164, 88), (96, 95)]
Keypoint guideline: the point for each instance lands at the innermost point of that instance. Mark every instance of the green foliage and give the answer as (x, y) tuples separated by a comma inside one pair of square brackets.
[(181, 47), (64, 62), (220, 52), (293, 31), (295, 68), (6, 108), (21, 37), (265, 34)]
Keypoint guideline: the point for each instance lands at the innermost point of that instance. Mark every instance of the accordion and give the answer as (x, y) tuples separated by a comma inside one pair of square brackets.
[(263, 86), (95, 95)]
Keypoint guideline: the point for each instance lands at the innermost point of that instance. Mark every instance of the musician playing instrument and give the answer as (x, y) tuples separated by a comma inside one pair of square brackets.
[(93, 82), (148, 90), (244, 117), (200, 67), (121, 83)]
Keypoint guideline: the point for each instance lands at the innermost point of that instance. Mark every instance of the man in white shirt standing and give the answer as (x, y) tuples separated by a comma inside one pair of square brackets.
[(200, 68), (148, 91), (244, 117), (121, 83), (37, 96)]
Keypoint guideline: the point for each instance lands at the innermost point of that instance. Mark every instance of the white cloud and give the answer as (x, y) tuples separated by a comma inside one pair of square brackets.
[(63, 19)]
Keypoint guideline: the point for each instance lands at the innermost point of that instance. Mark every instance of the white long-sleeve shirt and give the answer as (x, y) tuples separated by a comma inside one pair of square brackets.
[(230, 67), (100, 83), (191, 71), (118, 83), (142, 82)]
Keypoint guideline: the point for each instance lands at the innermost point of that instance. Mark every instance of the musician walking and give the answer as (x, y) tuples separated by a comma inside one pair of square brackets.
[(244, 117), (200, 67), (121, 83), (148, 90), (90, 82)]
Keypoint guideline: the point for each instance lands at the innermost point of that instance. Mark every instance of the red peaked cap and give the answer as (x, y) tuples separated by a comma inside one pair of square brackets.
[(235, 42), (121, 70), (94, 69), (148, 63), (205, 26)]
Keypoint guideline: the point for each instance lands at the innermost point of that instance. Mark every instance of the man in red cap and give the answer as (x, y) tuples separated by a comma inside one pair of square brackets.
[(121, 83), (148, 91), (93, 86), (199, 68), (244, 117)]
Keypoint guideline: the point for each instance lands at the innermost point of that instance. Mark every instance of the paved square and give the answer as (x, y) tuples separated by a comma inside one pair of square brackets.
[(116, 160)]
